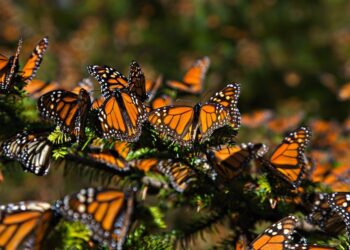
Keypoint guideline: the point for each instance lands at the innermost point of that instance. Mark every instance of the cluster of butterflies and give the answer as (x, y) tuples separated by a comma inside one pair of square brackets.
[(126, 105), (106, 212)]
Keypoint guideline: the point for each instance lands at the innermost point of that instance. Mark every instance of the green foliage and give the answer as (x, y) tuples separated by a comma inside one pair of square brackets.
[(74, 235), (58, 137), (60, 153), (264, 189), (158, 217)]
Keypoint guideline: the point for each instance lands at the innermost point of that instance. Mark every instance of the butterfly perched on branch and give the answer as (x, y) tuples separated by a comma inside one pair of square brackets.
[(192, 81), (187, 125), (106, 212), (67, 109), (288, 160), (32, 150), (122, 113)]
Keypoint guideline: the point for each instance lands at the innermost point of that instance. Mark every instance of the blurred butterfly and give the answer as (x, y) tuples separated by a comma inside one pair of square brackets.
[(25, 225), (106, 212), (67, 109), (283, 124), (230, 161), (338, 179), (192, 81), (114, 158), (86, 84), (257, 118), (32, 65), (37, 88), (8, 70), (180, 175), (323, 216), (276, 236), (33, 151), (326, 133), (288, 160), (122, 114), (137, 82), (161, 101), (186, 124), (144, 165), (340, 203), (344, 92), (152, 87)]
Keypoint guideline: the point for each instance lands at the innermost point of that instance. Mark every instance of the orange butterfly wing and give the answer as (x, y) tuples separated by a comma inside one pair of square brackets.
[(121, 116), (24, 224), (37, 88), (152, 87), (9, 70), (144, 165), (288, 159), (107, 212), (276, 236), (193, 79), (33, 63)]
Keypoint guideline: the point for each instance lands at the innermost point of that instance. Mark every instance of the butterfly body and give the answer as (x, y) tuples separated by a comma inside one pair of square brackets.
[(121, 116)]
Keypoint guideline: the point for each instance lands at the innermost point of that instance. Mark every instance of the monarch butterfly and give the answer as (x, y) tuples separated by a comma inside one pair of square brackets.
[(288, 160), (32, 65), (180, 175), (152, 87), (67, 109), (107, 212), (186, 124), (33, 151), (192, 81), (229, 161), (109, 78), (161, 101), (8, 69), (25, 224), (277, 236), (37, 88), (144, 165), (137, 82), (257, 118), (113, 158), (122, 114), (97, 103), (327, 133), (282, 124), (340, 203), (323, 216)]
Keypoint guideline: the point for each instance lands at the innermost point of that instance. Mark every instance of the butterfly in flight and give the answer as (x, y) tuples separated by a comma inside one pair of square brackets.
[(122, 113), (187, 124), (67, 109), (181, 176), (30, 68), (114, 159), (230, 161), (193, 79), (25, 225), (33, 151), (288, 160), (8, 69), (106, 212)]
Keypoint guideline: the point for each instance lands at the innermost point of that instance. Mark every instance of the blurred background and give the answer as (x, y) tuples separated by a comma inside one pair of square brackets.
[(288, 56)]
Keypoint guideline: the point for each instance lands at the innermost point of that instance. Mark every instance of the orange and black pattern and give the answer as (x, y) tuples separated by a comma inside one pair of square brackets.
[(114, 158), (121, 116), (186, 124), (180, 175), (109, 78), (192, 81), (277, 236), (152, 87), (67, 109), (25, 225), (289, 160), (36, 88), (230, 161), (8, 70), (137, 82), (32, 65), (107, 213)]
